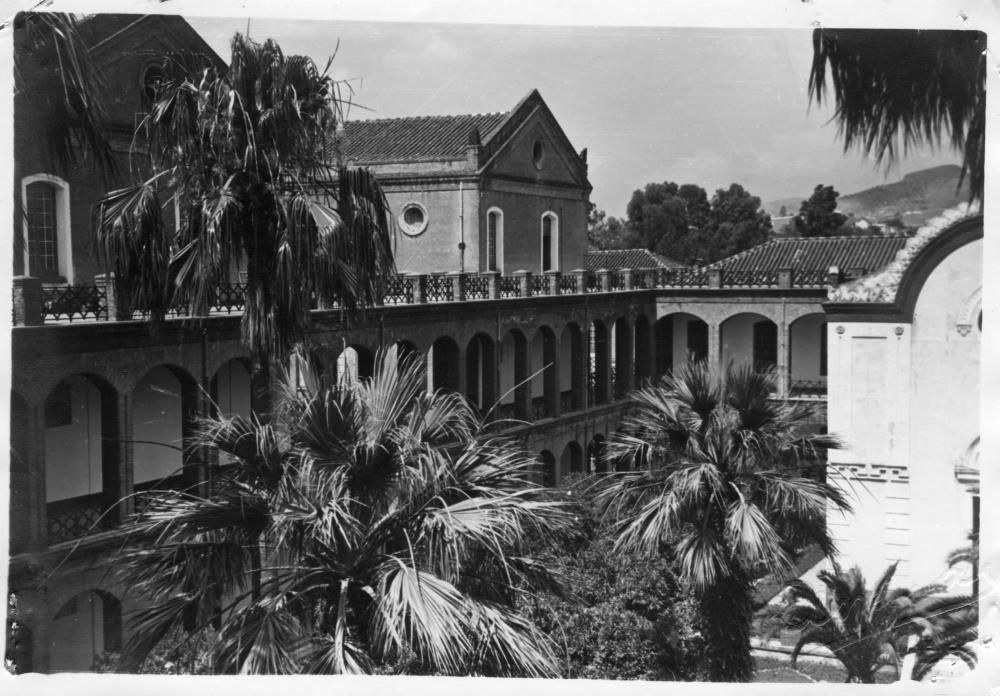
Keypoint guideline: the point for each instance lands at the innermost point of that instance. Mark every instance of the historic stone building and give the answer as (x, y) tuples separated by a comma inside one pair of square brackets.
[(101, 408), (486, 192)]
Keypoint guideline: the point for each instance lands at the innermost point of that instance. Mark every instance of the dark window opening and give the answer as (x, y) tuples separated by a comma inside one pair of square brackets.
[(697, 339), (42, 230), (765, 345)]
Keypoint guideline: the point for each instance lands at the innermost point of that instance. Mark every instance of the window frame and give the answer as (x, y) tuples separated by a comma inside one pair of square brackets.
[(64, 236), (497, 240), (553, 245)]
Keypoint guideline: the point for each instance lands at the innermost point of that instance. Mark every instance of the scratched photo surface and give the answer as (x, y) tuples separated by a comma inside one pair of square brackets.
[(464, 348)]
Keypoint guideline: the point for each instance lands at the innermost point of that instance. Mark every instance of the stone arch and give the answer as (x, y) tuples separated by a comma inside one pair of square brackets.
[(82, 456), (571, 460), (680, 337), (164, 408), (749, 338), (571, 365), (481, 372), (355, 361), (87, 624), (547, 467), (544, 389), (445, 365), (807, 351), (515, 391), (231, 389), (622, 348)]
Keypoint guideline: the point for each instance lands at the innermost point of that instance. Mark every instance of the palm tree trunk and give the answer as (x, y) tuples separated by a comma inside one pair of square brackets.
[(727, 614)]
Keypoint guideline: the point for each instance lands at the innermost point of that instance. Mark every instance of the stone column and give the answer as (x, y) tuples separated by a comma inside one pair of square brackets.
[(493, 284), (784, 359), (604, 280), (457, 285), (714, 346), (581, 279), (419, 287), (27, 301), (554, 284), (628, 282), (524, 280)]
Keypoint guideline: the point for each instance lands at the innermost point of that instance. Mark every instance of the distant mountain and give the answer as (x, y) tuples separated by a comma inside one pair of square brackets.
[(916, 198), (920, 196)]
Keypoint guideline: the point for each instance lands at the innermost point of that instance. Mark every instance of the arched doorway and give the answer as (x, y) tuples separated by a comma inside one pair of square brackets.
[(82, 478), (571, 461), (87, 625), (543, 383), (444, 364), (600, 363), (623, 362), (480, 372), (596, 454), (547, 465), (680, 338), (514, 387), (231, 389), (571, 366), (163, 407), (749, 338)]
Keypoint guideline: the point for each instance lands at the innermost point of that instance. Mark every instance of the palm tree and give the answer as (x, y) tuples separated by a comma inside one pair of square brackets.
[(901, 88), (247, 157), (347, 535), (722, 485), (863, 629), (953, 627)]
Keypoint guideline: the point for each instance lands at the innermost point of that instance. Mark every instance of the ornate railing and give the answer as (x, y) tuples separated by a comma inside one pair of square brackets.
[(540, 285), (229, 298), (805, 389), (802, 279), (509, 287), (399, 290), (681, 278), (76, 517), (477, 287), (749, 279), (439, 288), (74, 302)]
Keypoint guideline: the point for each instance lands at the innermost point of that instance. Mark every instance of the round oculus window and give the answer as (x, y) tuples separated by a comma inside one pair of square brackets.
[(413, 219), (538, 153)]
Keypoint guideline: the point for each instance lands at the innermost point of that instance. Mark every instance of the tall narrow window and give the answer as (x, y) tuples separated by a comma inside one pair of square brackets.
[(765, 345), (492, 224), (550, 242), (697, 339), (40, 206)]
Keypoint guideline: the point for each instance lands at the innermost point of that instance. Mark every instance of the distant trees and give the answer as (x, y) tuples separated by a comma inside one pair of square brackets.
[(818, 216), (681, 222)]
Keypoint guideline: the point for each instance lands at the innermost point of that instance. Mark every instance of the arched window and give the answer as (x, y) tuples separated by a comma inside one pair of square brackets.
[(765, 345), (550, 242), (47, 243), (494, 240)]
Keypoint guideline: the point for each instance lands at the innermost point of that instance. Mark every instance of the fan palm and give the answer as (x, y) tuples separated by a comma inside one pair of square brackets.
[(721, 483), (901, 88), (863, 629), (346, 535), (247, 157)]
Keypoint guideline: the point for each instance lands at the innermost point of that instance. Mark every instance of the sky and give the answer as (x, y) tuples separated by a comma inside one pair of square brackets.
[(709, 106)]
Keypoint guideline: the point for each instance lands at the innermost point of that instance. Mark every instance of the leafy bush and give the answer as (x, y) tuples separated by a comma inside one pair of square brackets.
[(618, 617), (179, 652)]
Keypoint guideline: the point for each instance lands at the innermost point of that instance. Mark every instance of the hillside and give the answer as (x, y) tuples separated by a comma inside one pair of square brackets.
[(917, 197)]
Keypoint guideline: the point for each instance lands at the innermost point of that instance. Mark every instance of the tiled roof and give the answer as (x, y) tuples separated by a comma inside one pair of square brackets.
[(414, 139), (816, 254), (616, 259)]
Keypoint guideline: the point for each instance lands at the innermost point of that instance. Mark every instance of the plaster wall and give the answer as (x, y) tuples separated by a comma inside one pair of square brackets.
[(73, 451), (436, 250), (157, 426), (806, 334), (736, 336)]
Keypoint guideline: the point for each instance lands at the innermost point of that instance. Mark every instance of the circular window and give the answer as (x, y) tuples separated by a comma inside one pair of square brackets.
[(413, 219), (538, 153)]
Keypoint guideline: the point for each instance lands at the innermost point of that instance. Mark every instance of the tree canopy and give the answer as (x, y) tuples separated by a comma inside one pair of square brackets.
[(818, 216), (682, 223)]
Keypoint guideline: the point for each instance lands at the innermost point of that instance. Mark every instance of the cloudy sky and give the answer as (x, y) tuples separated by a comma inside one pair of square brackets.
[(709, 106)]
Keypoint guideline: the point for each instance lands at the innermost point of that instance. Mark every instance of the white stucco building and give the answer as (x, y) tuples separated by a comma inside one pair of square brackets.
[(904, 395)]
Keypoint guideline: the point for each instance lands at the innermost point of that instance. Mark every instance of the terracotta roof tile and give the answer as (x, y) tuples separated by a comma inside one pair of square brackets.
[(816, 254), (414, 139), (615, 259)]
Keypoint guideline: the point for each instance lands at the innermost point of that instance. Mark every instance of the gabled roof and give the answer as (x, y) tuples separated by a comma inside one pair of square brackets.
[(415, 139), (617, 259), (855, 253), (430, 138)]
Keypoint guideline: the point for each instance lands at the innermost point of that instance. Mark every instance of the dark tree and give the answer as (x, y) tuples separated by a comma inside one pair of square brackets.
[(658, 221), (736, 223), (604, 231), (818, 216)]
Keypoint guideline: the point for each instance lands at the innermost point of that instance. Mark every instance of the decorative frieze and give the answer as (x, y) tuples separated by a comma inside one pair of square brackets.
[(883, 285), (871, 472)]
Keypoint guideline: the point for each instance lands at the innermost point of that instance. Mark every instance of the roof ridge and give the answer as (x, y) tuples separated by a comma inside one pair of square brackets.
[(423, 118)]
